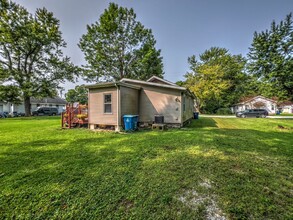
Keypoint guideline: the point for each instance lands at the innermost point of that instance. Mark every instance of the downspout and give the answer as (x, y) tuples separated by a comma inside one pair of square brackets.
[(181, 109), (88, 108), (118, 108)]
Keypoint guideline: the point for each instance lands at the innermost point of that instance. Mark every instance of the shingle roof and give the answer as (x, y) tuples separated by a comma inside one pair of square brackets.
[(249, 99), (111, 84), (55, 100), (126, 80), (286, 103)]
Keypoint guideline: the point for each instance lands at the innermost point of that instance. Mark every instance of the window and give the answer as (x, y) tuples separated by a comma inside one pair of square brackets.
[(50, 105), (273, 107), (107, 103)]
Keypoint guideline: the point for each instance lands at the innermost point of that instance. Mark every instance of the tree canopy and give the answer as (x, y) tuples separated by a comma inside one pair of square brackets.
[(271, 61), (119, 46), (31, 55), (10, 93), (217, 79), (78, 94)]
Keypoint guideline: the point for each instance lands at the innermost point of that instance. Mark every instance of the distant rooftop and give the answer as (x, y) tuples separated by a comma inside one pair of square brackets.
[(55, 100)]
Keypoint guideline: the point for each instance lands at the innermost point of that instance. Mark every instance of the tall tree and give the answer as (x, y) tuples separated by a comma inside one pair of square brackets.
[(271, 61), (217, 78), (78, 94), (119, 46), (30, 52), (10, 93)]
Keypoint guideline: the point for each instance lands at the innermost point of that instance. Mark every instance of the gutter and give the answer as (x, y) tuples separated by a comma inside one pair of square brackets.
[(111, 84), (125, 80)]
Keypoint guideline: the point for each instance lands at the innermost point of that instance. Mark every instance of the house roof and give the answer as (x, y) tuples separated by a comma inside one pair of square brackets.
[(130, 83), (55, 100), (111, 84), (286, 103), (155, 78), (173, 86), (255, 97)]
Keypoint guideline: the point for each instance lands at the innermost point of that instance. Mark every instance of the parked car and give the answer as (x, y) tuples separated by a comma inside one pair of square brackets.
[(45, 111), (21, 114), (16, 114), (13, 114), (253, 113), (3, 115)]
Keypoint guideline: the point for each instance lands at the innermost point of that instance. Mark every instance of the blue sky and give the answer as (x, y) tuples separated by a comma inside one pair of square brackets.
[(181, 27)]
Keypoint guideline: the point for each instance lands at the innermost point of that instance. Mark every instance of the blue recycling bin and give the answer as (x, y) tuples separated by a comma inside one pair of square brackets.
[(130, 122), (195, 115)]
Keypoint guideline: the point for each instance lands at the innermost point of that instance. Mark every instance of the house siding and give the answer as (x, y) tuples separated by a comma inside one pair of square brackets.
[(287, 109), (159, 101), (139, 98), (187, 114), (129, 99), (96, 106)]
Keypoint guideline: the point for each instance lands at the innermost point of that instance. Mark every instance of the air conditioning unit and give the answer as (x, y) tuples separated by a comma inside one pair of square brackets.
[(159, 119)]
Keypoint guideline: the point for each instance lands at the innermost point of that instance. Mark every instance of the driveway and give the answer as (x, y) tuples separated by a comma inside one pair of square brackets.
[(233, 116), (218, 116), (273, 116)]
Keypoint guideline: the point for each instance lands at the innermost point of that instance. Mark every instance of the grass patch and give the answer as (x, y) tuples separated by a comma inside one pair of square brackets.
[(282, 114), (235, 168)]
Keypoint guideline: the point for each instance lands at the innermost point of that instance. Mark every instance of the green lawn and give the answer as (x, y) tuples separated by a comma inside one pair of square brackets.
[(283, 114), (234, 168)]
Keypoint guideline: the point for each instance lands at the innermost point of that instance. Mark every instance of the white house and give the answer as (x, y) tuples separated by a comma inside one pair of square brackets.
[(57, 102), (259, 102), (287, 107)]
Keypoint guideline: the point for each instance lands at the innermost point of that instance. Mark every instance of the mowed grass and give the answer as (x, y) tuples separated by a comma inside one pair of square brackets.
[(234, 168)]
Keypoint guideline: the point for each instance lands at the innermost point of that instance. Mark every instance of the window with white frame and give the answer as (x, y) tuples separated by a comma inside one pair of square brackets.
[(273, 107), (107, 103)]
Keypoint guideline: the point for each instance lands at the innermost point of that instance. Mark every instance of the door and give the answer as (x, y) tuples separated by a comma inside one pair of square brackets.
[(250, 113), (47, 111), (41, 111)]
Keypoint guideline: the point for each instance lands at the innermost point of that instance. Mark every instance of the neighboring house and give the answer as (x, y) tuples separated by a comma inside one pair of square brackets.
[(2, 106), (286, 107), (57, 102), (109, 102), (256, 102)]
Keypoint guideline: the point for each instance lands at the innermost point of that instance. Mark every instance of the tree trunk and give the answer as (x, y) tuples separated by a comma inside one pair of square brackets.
[(27, 106)]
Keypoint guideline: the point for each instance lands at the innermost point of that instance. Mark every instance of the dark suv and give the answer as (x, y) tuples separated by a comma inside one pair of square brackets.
[(253, 113), (45, 111)]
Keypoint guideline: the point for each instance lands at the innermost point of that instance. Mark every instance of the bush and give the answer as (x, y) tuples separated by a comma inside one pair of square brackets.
[(224, 111)]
